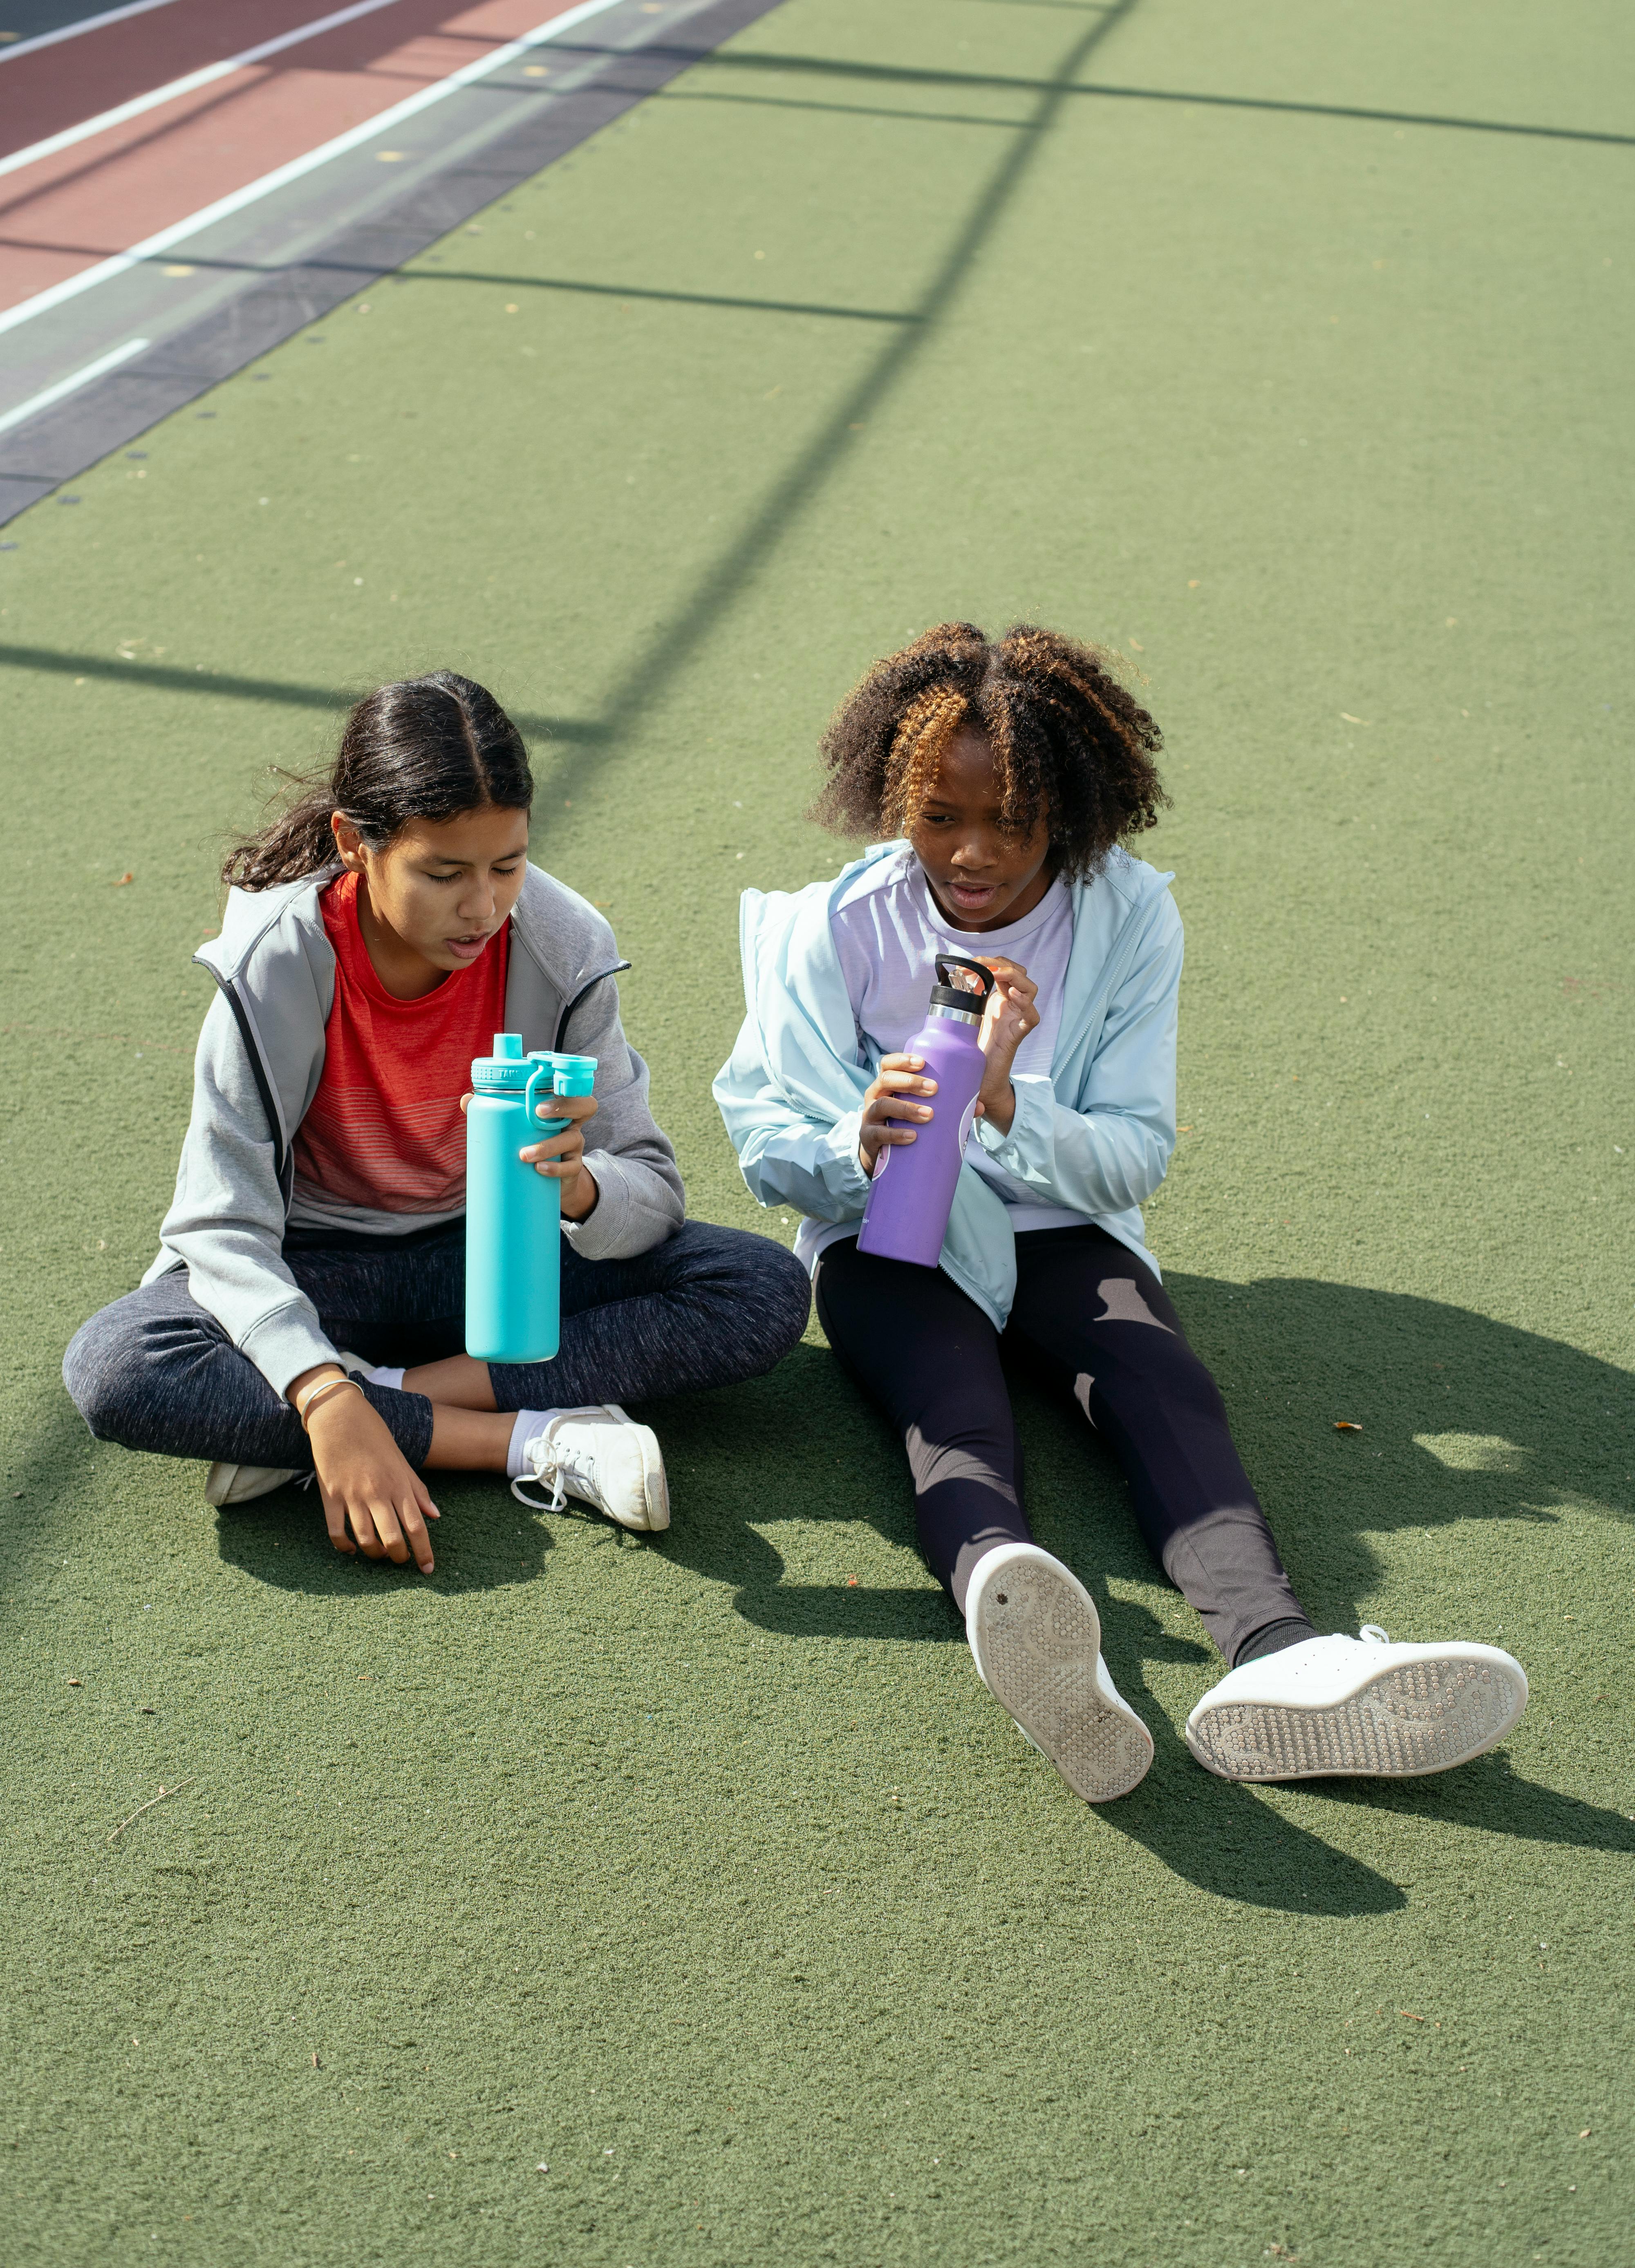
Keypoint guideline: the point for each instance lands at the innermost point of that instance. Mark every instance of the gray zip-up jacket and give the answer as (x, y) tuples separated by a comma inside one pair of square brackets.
[(259, 1056)]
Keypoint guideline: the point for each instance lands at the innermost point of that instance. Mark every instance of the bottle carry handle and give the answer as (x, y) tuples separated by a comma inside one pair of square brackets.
[(537, 1127), (945, 961)]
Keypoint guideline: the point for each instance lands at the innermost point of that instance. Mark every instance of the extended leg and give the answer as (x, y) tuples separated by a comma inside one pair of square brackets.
[(929, 1357), (1087, 1304)]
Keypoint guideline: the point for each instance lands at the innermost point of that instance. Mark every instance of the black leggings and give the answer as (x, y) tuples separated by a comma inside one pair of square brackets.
[(930, 1357)]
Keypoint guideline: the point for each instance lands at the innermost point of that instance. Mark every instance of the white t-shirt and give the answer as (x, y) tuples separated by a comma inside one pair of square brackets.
[(887, 932)]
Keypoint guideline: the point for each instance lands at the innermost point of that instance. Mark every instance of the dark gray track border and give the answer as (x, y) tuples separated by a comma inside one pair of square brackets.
[(68, 440)]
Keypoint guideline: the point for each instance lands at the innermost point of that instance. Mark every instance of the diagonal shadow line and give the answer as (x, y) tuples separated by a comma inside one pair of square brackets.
[(169, 678), (676, 299), (368, 269), (919, 74), (855, 110), (647, 677)]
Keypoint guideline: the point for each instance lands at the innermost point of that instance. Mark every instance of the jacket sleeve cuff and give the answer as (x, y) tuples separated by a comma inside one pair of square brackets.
[(634, 1211), (285, 1343), (1026, 1151), (845, 1173)]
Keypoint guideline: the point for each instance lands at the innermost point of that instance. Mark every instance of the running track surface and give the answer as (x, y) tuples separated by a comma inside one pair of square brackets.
[(66, 211)]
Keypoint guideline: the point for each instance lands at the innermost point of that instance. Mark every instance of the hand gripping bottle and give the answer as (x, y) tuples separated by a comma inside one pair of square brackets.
[(514, 1213), (907, 1214)]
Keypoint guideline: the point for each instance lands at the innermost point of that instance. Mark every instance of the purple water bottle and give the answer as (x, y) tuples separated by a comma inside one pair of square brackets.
[(907, 1214)]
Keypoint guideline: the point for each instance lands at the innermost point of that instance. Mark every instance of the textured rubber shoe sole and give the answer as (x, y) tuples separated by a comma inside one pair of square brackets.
[(1039, 1638), (656, 1488), (1409, 1718)]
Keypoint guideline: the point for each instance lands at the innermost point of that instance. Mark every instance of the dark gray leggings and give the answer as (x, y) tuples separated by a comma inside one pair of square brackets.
[(1100, 1320), (708, 1306)]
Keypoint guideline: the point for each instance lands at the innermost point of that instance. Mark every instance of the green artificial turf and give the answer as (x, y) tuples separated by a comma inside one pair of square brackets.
[(1293, 361)]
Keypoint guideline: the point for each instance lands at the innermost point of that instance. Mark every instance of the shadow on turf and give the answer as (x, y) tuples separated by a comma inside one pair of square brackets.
[(484, 1540), (1533, 1427), (1463, 1419)]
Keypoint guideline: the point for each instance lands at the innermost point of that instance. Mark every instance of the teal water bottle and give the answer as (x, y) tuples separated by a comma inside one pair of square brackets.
[(514, 1213)]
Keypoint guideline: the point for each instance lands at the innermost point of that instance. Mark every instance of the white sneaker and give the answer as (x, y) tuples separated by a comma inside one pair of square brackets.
[(603, 1458), (225, 1484), (1036, 1640), (237, 1484), (1357, 1705)]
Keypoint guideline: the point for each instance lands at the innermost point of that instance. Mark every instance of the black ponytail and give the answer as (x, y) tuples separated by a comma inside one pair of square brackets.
[(427, 748)]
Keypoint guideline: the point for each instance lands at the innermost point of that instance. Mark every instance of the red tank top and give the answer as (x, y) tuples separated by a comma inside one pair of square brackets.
[(385, 1129)]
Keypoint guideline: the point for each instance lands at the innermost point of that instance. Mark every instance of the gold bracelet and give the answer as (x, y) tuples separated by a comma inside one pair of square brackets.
[(309, 1400)]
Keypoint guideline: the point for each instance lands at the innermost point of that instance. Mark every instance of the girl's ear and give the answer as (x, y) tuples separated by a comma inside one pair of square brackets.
[(348, 843)]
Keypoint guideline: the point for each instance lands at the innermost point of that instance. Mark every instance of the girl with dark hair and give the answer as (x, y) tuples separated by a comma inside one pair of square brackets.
[(305, 1314), (1008, 773)]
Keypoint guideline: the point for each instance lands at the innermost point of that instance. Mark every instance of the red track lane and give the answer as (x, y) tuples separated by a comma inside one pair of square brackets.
[(41, 93), (95, 199)]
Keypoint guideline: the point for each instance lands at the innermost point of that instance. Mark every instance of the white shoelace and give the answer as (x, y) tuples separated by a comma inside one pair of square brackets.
[(556, 1467), (1372, 1635)]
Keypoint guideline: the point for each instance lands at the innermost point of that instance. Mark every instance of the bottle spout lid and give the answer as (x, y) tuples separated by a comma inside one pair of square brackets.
[(503, 1072), (968, 993)]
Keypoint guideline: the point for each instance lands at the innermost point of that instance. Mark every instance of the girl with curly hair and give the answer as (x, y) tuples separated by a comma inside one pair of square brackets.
[(1008, 774)]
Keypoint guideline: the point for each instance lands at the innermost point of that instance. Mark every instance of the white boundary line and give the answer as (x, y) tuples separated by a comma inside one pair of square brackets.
[(71, 286), (85, 24), (43, 401), (187, 84)]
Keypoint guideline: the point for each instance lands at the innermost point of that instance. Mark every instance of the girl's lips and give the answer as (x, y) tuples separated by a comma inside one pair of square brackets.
[(972, 893), (467, 947)]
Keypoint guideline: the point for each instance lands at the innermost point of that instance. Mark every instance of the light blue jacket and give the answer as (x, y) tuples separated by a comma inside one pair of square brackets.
[(1095, 1135)]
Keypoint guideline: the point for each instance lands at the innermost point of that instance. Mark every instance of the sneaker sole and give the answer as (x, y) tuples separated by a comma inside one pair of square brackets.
[(1039, 1639), (225, 1485), (655, 1487), (656, 1491), (1415, 1718)]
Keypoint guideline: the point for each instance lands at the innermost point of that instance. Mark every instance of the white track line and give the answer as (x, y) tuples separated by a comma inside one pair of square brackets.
[(71, 286), (176, 87), (44, 399), (74, 30)]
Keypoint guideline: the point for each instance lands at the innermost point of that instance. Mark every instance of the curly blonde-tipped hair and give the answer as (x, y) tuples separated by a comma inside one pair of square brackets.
[(1069, 742)]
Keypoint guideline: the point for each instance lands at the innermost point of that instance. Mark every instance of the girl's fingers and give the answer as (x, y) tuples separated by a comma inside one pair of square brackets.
[(414, 1530), (390, 1534), (363, 1527), (335, 1520), (423, 1497)]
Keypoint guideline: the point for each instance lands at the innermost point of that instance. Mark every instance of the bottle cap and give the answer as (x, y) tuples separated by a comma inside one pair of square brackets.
[(969, 1000), (505, 1072), (576, 1074)]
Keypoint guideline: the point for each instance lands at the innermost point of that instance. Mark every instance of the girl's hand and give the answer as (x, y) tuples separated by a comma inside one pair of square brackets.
[(561, 1157), (370, 1491), (897, 1078), (1010, 1015)]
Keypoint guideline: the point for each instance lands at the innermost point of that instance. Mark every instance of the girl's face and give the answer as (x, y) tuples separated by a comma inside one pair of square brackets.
[(980, 877), (431, 901)]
